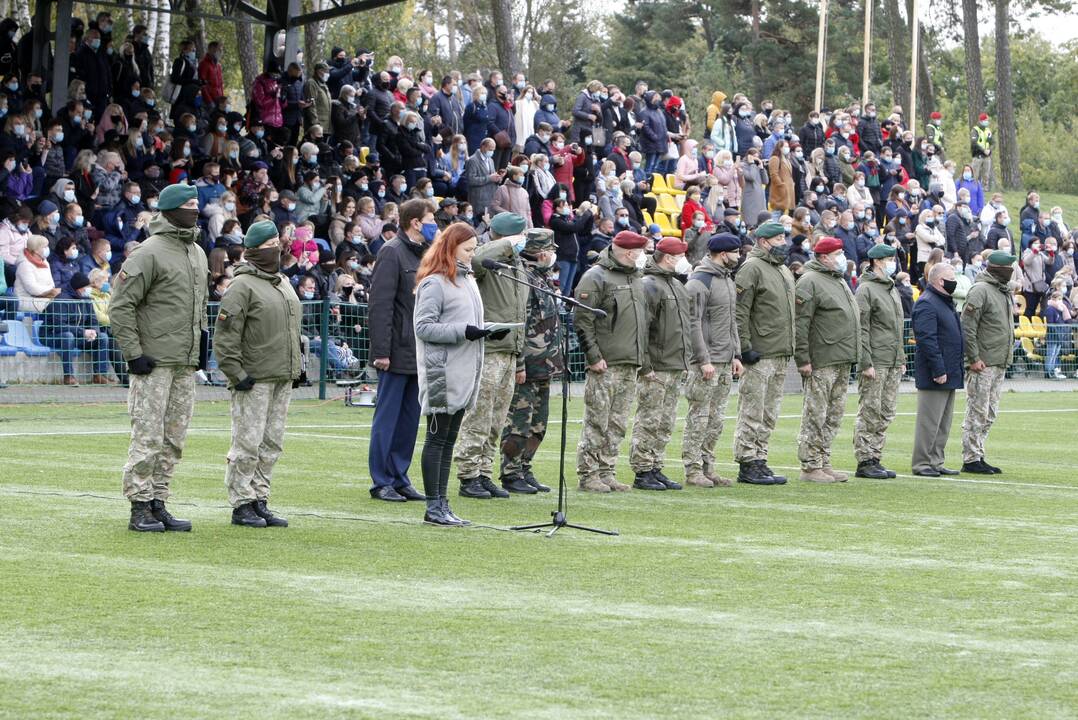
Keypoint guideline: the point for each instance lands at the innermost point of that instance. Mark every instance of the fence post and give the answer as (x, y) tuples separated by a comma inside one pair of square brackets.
[(323, 357)]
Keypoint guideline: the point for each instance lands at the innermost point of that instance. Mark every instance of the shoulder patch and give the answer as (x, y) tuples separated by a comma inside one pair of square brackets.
[(583, 296), (800, 300), (222, 315)]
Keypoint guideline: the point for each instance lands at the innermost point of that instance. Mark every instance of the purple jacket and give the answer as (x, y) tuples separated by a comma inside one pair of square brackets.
[(20, 185)]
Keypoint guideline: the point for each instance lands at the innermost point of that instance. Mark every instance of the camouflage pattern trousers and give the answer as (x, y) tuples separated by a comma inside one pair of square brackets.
[(982, 403), (759, 398), (821, 414), (526, 428), (705, 418), (608, 398), (656, 413), (160, 405), (876, 405), (258, 420), (481, 429)]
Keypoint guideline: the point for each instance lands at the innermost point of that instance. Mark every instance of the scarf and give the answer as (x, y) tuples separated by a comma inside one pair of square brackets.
[(34, 259)]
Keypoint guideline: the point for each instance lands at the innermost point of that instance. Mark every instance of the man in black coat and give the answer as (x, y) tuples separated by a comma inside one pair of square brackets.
[(91, 65), (869, 132), (938, 368), (392, 337)]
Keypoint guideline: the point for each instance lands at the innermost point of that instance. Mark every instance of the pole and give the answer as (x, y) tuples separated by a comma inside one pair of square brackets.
[(62, 62), (323, 357), (916, 50), (821, 54), (868, 53)]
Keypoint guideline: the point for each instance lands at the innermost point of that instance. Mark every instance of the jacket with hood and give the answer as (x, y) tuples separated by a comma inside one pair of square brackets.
[(581, 111), (714, 330), (987, 324), (880, 307), (653, 138), (669, 321), (765, 305), (828, 320), (621, 336), (550, 117), (714, 110)]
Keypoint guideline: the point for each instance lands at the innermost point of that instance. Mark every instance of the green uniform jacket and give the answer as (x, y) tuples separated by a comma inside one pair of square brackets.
[(159, 305), (258, 328), (621, 337), (881, 322), (828, 321), (714, 314), (765, 305), (503, 300), (669, 321), (987, 323)]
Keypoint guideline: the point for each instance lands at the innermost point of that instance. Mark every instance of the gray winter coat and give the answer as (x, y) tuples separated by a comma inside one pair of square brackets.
[(481, 188), (753, 201), (715, 337), (449, 364)]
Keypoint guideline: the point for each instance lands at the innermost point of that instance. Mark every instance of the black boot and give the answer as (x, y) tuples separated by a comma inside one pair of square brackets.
[(995, 470), (530, 479), (516, 484), (491, 488), (435, 515), (142, 519), (450, 514), (869, 469), (245, 515), (646, 481), (890, 473), (751, 473), (670, 484), (271, 520), (765, 470), (977, 467), (473, 488), (163, 516)]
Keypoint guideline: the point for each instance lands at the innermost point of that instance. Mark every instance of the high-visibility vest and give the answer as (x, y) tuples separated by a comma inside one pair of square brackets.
[(984, 136)]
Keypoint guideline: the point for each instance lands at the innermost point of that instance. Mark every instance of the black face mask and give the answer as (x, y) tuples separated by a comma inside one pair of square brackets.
[(182, 217), (1001, 273), (949, 286), (267, 260)]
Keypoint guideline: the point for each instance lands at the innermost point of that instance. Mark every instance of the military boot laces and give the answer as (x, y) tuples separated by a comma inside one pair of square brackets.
[(163, 516), (271, 520), (246, 516), (142, 520)]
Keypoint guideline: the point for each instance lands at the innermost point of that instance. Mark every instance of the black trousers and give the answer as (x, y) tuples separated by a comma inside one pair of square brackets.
[(442, 430)]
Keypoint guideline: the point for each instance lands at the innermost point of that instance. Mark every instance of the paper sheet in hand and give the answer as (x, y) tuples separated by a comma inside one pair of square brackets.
[(495, 327)]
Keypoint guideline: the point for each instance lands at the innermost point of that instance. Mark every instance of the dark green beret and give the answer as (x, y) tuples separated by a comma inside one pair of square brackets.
[(175, 195), (1001, 258), (259, 233), (770, 229), (881, 251), (505, 224)]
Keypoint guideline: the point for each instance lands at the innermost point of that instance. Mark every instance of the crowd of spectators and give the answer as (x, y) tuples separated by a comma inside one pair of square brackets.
[(329, 150)]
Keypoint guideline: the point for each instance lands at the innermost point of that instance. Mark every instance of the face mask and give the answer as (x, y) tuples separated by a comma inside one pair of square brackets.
[(480, 99), (20, 130), (949, 286), (72, 254), (22, 227), (566, 211), (467, 216), (779, 252), (187, 151), (95, 44), (829, 151), (79, 221), (683, 266), (889, 268), (182, 217), (87, 114), (839, 263), (429, 231), (1057, 218), (54, 219), (930, 222), (307, 294), (524, 168), (230, 206), (267, 260), (641, 261), (1002, 274), (695, 223)]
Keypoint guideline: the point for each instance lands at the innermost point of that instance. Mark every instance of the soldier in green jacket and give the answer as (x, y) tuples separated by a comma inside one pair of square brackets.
[(257, 343), (158, 315), (988, 327), (828, 339), (716, 358), (665, 363), (504, 301), (882, 362), (615, 348), (765, 325)]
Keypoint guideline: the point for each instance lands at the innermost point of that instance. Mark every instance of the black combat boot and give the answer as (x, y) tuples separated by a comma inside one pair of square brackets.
[(977, 467), (142, 519), (163, 516), (435, 515), (245, 515), (473, 488), (661, 477), (517, 484), (491, 488), (890, 473), (870, 469), (646, 481), (995, 470), (765, 470), (450, 514), (750, 472), (271, 520), (529, 478)]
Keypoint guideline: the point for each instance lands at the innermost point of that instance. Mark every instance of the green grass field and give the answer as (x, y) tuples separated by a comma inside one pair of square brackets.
[(907, 598)]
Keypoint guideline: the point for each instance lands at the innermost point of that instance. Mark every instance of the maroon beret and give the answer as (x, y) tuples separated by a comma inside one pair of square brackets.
[(672, 246), (827, 245), (630, 240)]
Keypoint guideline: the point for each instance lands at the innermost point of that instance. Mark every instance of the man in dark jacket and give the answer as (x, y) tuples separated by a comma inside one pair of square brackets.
[(548, 113), (652, 133), (811, 134), (446, 105), (938, 365), (869, 131), (91, 65), (70, 326), (963, 235), (392, 337)]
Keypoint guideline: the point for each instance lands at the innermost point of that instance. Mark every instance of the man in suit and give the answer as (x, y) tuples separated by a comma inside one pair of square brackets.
[(938, 365)]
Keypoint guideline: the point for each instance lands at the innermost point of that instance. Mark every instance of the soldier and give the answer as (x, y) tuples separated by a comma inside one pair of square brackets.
[(665, 363), (980, 144), (765, 328), (989, 335), (715, 358), (828, 337), (504, 301), (883, 361), (543, 362), (934, 131), (614, 348), (257, 343), (158, 315)]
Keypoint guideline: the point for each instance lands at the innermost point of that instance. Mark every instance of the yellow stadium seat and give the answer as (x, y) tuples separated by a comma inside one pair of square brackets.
[(648, 220), (1039, 328), (1030, 350), (363, 153), (1020, 303), (671, 181), (1025, 327), (668, 205), (668, 228), (660, 186), (438, 199), (916, 293)]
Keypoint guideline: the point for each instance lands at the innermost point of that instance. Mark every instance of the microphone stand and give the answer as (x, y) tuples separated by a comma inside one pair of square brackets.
[(558, 516)]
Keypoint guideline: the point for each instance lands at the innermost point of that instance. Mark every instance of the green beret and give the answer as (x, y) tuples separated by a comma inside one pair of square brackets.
[(259, 233), (770, 229), (175, 195), (880, 251), (1001, 258), (505, 224), (539, 239)]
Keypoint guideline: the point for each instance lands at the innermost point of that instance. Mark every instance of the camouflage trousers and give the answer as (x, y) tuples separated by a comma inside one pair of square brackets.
[(656, 413), (481, 429), (876, 405), (258, 420), (160, 405), (759, 398), (705, 418), (982, 403), (526, 428), (608, 398), (821, 415)]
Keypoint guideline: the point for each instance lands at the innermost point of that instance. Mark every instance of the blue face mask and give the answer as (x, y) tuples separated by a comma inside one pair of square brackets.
[(135, 93), (518, 247), (308, 294), (106, 286), (95, 44), (429, 230), (79, 221)]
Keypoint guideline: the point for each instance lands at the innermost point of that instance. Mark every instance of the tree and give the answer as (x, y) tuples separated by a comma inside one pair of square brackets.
[(249, 60), (974, 80), (502, 12), (1010, 172), (897, 57), (162, 41), (314, 38), (196, 28)]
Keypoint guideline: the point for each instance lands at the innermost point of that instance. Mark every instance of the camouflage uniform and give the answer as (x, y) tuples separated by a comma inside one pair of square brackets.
[(258, 420), (988, 330), (877, 404), (160, 405), (656, 413), (882, 349), (608, 398), (759, 398), (983, 390), (705, 418), (821, 416)]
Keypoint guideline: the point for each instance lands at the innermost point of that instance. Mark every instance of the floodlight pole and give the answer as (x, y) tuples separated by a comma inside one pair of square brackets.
[(914, 53), (868, 53), (821, 54)]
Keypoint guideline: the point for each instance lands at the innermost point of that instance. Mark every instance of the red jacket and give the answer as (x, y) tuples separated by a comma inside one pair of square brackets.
[(689, 209), (564, 173), (213, 83), (266, 97)]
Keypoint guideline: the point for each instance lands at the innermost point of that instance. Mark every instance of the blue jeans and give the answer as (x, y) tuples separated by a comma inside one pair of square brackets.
[(334, 355), (1051, 357), (651, 163), (68, 345), (393, 430), (566, 273)]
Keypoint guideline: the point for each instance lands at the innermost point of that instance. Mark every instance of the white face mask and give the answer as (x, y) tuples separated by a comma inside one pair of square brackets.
[(641, 261), (889, 267), (839, 263), (683, 266)]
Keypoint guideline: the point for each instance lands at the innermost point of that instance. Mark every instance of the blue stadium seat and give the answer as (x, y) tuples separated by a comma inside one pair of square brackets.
[(18, 338)]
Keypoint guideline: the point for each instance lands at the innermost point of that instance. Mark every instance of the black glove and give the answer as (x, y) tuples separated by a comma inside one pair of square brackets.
[(300, 381), (142, 365), (246, 384), (473, 333), (750, 358), (499, 334)]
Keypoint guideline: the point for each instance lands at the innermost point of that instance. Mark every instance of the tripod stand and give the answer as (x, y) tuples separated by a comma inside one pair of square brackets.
[(558, 516)]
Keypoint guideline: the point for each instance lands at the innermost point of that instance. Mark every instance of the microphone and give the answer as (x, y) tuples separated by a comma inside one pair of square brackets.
[(495, 265)]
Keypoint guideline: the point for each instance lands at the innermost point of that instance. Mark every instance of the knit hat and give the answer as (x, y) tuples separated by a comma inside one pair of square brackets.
[(672, 246), (770, 229), (730, 212), (827, 245), (175, 195), (505, 224), (46, 207), (653, 228), (79, 281), (448, 202), (538, 239), (1000, 257), (259, 233), (724, 242), (630, 240), (881, 251)]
